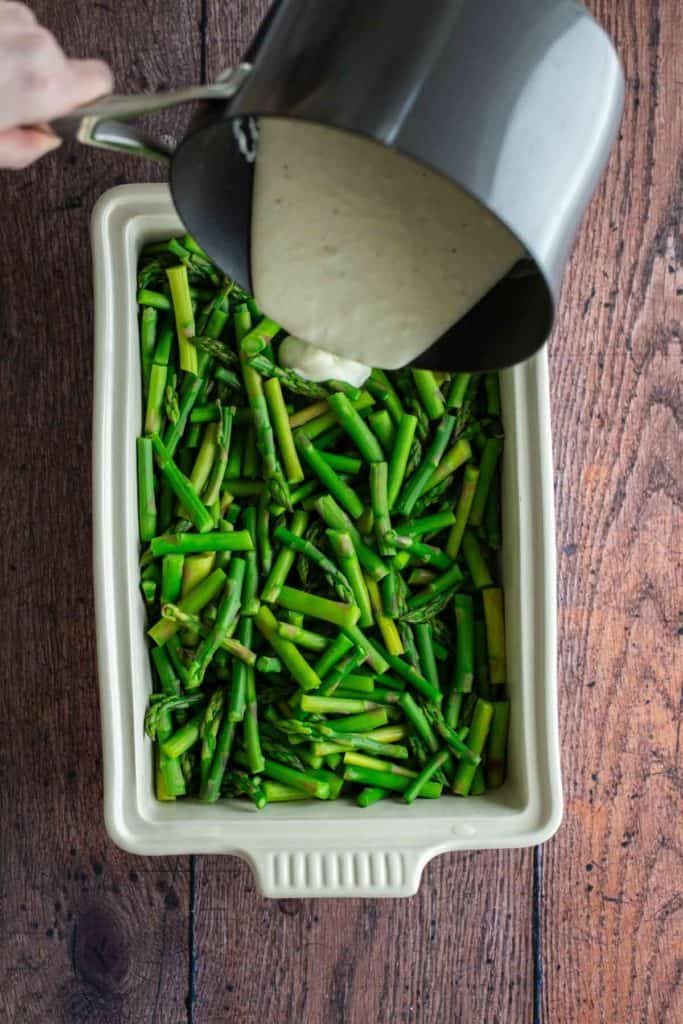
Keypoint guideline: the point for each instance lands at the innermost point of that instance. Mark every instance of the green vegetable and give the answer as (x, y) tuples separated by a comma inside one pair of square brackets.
[(355, 515), (184, 316)]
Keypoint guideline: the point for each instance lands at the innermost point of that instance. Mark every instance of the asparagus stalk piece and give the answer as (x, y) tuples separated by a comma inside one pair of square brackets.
[(497, 745), (227, 612), (462, 513), (305, 638), (432, 766), (283, 431), (400, 456), (460, 453), (181, 487), (349, 419), (417, 482), (252, 741), (147, 505), (458, 390), (184, 316), (253, 384), (305, 547), (148, 331), (345, 495), (193, 543), (384, 429), (194, 602), (464, 643), (338, 649), (342, 545), (336, 519), (495, 634), (430, 394), (476, 563), (153, 299), (342, 615), (387, 780), (487, 468), (284, 561), (301, 671), (476, 740)]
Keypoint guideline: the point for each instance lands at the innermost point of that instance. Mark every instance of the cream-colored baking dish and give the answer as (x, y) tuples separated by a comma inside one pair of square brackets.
[(316, 849)]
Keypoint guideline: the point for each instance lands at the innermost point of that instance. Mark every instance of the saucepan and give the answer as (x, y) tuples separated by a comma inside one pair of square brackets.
[(517, 104)]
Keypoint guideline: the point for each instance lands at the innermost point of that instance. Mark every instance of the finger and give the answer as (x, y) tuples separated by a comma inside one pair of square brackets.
[(90, 80), (20, 147), (16, 14), (78, 83), (52, 88)]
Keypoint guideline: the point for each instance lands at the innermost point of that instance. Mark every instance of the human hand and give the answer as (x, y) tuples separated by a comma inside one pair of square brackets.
[(38, 82)]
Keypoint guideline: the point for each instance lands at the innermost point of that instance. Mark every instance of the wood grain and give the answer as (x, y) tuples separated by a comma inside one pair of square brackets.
[(458, 951), (612, 899), (88, 933)]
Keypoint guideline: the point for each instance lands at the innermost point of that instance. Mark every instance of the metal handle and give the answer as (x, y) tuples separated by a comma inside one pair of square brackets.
[(102, 124)]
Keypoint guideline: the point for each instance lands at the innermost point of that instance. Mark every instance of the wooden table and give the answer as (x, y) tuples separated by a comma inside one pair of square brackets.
[(586, 929)]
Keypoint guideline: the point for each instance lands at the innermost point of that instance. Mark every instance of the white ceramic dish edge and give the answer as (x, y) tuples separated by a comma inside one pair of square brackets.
[(311, 849)]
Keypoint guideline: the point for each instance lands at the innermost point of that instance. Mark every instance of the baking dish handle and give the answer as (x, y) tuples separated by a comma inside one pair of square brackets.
[(297, 874), (103, 124)]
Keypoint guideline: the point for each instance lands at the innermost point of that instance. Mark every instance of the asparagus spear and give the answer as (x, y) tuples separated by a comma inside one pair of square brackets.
[(452, 460), (181, 487), (284, 561), (301, 671), (458, 390), (283, 431), (194, 602), (476, 740), (157, 376), (400, 456), (337, 519), (147, 506), (487, 468), (384, 429), (462, 513), (342, 615), (253, 384), (345, 495), (349, 419), (342, 545), (184, 316), (217, 474), (430, 394), (418, 481), (495, 634), (497, 745), (464, 643), (387, 780), (227, 612), (192, 543)]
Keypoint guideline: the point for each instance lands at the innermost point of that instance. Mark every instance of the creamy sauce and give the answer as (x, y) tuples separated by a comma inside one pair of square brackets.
[(366, 254), (316, 364)]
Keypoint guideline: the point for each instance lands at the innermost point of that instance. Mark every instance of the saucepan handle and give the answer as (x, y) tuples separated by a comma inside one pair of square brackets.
[(105, 123)]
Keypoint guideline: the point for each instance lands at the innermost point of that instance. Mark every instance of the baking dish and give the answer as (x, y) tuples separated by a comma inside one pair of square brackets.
[(316, 849)]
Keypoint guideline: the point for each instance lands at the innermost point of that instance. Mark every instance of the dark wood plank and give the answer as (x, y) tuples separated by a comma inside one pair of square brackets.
[(230, 27), (612, 926), (459, 951), (88, 934)]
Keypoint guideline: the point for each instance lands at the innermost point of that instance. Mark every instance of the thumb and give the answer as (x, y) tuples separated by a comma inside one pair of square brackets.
[(88, 80), (20, 147)]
